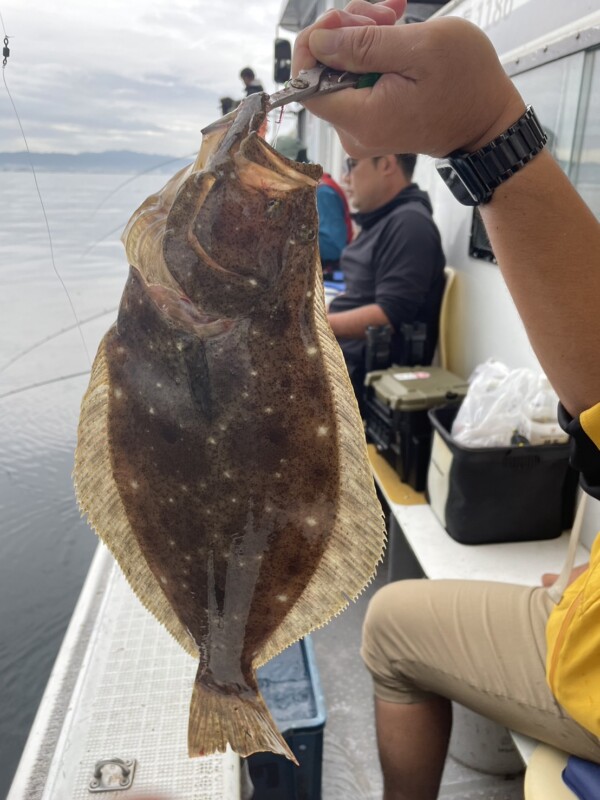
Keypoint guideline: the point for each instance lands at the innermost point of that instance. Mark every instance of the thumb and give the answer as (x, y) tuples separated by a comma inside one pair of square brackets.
[(366, 48)]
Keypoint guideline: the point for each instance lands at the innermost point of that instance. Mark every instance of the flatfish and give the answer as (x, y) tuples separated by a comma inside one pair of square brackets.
[(221, 455)]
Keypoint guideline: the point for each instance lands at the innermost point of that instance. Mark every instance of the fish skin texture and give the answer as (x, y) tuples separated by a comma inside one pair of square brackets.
[(220, 454)]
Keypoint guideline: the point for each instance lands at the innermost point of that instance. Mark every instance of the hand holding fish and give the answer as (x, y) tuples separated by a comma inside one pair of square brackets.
[(443, 87)]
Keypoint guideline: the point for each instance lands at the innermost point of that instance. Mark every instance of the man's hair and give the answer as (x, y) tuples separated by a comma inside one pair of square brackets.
[(407, 163), (247, 73)]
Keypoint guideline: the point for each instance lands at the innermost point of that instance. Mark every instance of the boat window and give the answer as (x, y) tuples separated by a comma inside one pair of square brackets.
[(566, 96), (586, 168), (553, 90)]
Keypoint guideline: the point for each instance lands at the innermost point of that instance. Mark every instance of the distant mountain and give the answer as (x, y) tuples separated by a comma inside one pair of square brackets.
[(109, 161)]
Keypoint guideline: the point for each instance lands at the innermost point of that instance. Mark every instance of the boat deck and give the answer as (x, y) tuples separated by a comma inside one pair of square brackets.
[(128, 695)]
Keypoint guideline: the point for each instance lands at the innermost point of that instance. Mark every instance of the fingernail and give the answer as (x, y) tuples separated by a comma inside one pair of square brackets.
[(325, 42)]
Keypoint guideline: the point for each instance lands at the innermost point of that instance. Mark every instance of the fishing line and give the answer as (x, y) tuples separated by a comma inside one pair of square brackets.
[(44, 383), (135, 177), (54, 335), (6, 54)]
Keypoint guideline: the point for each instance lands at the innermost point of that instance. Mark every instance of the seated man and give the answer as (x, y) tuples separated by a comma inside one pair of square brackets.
[(394, 268)]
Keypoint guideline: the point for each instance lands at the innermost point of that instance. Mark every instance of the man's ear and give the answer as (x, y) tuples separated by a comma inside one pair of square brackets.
[(389, 164)]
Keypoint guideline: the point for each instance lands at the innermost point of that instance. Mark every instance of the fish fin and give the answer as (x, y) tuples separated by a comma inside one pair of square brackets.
[(243, 722), (357, 540), (99, 498)]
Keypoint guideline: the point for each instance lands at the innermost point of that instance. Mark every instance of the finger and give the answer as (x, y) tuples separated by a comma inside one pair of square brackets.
[(365, 48), (357, 116), (357, 12), (302, 57), (380, 13), (549, 578)]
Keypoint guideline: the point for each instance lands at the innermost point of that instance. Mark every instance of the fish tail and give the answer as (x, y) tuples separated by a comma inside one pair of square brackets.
[(218, 718)]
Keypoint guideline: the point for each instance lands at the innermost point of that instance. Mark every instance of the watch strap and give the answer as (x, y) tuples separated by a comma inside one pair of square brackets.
[(498, 160)]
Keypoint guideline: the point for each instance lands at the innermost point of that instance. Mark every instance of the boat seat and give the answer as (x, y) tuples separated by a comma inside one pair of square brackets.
[(543, 776)]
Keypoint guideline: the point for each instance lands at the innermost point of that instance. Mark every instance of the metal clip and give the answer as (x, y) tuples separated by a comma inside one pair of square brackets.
[(112, 775), (317, 81)]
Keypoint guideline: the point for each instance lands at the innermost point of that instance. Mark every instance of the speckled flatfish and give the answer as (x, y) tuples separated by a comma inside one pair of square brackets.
[(220, 455)]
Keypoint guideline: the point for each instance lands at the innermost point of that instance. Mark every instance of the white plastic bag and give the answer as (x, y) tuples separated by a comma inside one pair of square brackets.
[(499, 404)]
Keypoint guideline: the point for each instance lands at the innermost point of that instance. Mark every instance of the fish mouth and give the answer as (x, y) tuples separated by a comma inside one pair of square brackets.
[(239, 131)]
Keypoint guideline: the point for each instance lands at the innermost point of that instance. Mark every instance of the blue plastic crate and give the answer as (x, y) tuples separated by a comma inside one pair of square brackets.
[(291, 688)]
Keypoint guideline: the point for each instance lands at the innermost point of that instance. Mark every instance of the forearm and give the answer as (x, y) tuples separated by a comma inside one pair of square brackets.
[(548, 247), (353, 324)]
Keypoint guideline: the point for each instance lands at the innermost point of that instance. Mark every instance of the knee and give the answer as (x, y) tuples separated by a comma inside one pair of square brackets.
[(394, 609)]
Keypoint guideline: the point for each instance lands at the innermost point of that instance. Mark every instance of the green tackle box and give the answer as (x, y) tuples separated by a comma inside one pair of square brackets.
[(397, 401)]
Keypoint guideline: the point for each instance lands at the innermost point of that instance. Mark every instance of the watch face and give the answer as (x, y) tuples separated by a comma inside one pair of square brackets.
[(455, 183)]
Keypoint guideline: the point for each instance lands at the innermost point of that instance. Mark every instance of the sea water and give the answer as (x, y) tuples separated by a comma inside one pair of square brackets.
[(45, 548)]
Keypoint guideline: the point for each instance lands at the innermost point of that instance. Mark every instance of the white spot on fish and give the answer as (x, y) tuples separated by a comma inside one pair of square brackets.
[(171, 499), (241, 563), (208, 511), (202, 484), (186, 571), (312, 350), (211, 440), (259, 557), (184, 488), (268, 509), (159, 385), (254, 373), (245, 395), (253, 282), (278, 474), (185, 585), (282, 598), (172, 542), (134, 484), (283, 460), (187, 557), (179, 346), (292, 397), (311, 522), (118, 393), (222, 426), (268, 410), (309, 294), (120, 350), (163, 579), (226, 474), (322, 430), (234, 500), (151, 411)]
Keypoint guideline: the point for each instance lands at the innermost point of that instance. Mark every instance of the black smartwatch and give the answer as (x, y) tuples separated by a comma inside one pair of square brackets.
[(472, 177)]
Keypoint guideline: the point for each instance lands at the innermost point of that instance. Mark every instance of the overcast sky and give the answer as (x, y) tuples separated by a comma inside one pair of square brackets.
[(144, 75)]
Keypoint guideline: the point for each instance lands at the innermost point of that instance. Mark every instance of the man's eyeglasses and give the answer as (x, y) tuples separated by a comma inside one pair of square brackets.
[(349, 164)]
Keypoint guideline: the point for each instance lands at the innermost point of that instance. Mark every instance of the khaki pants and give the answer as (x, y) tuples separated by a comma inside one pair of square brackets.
[(479, 643)]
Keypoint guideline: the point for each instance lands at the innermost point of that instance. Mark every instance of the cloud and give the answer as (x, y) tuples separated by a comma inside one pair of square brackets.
[(143, 75)]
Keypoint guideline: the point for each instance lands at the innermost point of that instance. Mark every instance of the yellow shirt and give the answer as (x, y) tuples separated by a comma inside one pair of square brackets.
[(573, 629)]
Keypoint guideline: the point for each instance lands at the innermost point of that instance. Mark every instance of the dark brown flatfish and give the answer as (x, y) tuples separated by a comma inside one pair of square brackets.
[(221, 456)]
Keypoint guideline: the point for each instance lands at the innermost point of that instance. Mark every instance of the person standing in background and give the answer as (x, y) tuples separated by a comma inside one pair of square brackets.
[(251, 82)]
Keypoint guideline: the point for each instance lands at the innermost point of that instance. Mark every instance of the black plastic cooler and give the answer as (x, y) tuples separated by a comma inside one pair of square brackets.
[(484, 495), (292, 691), (397, 401)]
